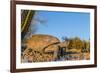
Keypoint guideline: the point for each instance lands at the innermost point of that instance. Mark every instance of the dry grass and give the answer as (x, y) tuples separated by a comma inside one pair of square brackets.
[(35, 52)]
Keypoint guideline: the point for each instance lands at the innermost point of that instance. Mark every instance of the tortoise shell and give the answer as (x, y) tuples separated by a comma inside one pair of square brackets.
[(34, 51)]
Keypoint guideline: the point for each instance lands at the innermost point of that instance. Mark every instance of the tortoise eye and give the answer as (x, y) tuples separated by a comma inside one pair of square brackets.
[(23, 47), (30, 50)]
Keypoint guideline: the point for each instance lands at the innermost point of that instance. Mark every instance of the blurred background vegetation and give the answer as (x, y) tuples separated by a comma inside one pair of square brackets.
[(77, 43)]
